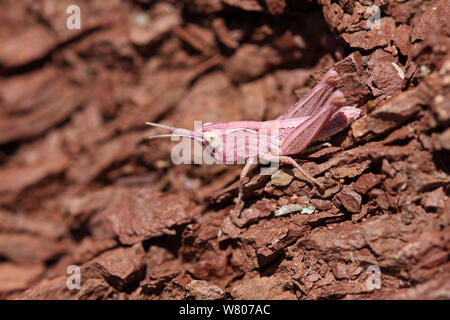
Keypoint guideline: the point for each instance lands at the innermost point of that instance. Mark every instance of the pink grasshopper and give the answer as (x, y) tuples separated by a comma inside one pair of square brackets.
[(319, 114)]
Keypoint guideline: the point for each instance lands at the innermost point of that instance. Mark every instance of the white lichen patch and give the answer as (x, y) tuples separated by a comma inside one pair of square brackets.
[(291, 208), (308, 210), (399, 70)]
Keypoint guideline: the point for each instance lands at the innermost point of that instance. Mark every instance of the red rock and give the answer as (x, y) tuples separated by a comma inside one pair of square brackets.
[(366, 182), (350, 170), (45, 114), (326, 152), (199, 38), (402, 38), (253, 187), (39, 90), (259, 210), (212, 98), (16, 180), (387, 168), (333, 15), (202, 290), (339, 290), (145, 29), (262, 288), (223, 34), (26, 248), (15, 277), (376, 37), (423, 182), (265, 240), (205, 6), (137, 214), (320, 204), (402, 12), (251, 61), (389, 115), (362, 213), (154, 286), (56, 289), (313, 276), (161, 262), (248, 5), (40, 41), (444, 140), (229, 228), (441, 107), (256, 97), (402, 134), (90, 166), (213, 265), (87, 250), (434, 289), (385, 74), (436, 17), (380, 198), (340, 270), (40, 224), (96, 289), (276, 6), (49, 289), (177, 289), (434, 200), (120, 267), (353, 79), (350, 199)]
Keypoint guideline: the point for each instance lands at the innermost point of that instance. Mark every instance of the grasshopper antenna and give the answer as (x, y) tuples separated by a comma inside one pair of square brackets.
[(176, 132), (157, 125)]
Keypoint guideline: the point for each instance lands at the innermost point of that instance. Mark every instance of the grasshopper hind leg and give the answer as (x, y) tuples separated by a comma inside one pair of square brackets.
[(240, 200), (309, 178), (289, 160)]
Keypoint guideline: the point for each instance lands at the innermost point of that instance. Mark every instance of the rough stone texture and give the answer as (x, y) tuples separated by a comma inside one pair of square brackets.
[(18, 277), (366, 182), (281, 179), (148, 28), (81, 185), (349, 199), (28, 248), (133, 221), (202, 290), (120, 267), (261, 288)]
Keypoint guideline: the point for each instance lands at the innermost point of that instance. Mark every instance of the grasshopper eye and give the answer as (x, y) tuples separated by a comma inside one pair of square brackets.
[(212, 138)]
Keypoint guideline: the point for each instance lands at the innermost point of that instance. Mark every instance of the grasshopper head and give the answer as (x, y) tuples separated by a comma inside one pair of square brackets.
[(212, 138)]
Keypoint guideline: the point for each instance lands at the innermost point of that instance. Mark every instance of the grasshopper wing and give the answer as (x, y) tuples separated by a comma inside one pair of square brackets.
[(306, 133), (314, 99)]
